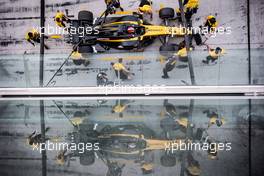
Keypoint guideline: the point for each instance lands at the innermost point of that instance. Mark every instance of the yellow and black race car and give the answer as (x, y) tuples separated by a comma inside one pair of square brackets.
[(121, 31)]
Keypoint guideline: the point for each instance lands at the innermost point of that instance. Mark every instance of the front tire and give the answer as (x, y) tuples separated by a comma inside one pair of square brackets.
[(166, 13)]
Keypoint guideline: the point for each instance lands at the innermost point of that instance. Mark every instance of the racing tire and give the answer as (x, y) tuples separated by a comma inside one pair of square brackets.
[(166, 13), (85, 49), (166, 50), (78, 62), (168, 161), (168, 124), (86, 16), (87, 160)]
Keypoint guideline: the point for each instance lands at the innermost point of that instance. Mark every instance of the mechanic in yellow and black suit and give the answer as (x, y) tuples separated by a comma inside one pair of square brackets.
[(145, 8), (120, 70), (214, 54), (112, 5), (78, 59), (211, 23), (33, 36), (60, 18), (120, 107), (190, 7), (170, 65)]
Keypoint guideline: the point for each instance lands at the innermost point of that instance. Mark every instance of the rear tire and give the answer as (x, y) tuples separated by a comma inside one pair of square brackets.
[(166, 13), (87, 160), (85, 49), (168, 161), (168, 124), (86, 16)]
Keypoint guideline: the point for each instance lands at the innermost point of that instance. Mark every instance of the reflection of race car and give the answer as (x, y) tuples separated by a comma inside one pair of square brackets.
[(124, 32), (128, 142)]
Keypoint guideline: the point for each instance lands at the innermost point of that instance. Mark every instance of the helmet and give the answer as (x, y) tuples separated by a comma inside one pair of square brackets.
[(131, 30)]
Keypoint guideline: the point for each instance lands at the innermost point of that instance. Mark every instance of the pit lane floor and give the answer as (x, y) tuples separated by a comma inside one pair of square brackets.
[(230, 69)]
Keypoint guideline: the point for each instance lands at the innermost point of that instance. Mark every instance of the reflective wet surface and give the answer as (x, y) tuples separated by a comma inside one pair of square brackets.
[(147, 69), (132, 137)]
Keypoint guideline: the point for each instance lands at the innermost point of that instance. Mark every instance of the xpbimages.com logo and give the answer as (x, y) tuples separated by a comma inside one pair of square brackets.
[(80, 31), (181, 145), (180, 30), (79, 147)]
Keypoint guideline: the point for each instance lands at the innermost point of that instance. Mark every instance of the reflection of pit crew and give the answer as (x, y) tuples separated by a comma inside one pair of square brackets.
[(78, 59), (112, 5), (145, 8), (33, 36), (170, 109), (147, 168), (214, 54), (193, 168), (170, 65), (214, 118), (212, 151), (114, 169), (36, 138), (63, 157), (78, 117), (120, 107), (60, 18), (121, 71)]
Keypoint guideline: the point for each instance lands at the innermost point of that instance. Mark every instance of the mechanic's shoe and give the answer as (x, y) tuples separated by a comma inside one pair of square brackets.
[(121, 9), (205, 61), (165, 77)]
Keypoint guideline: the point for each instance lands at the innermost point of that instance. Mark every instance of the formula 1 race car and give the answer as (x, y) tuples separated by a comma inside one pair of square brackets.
[(123, 32)]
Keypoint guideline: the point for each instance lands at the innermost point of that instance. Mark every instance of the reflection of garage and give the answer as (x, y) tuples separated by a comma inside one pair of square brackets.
[(140, 117)]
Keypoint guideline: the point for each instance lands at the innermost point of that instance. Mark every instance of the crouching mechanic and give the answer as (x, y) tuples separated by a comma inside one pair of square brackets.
[(214, 54), (170, 65), (121, 71), (214, 118), (33, 36), (145, 8), (35, 139), (78, 59), (60, 18)]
